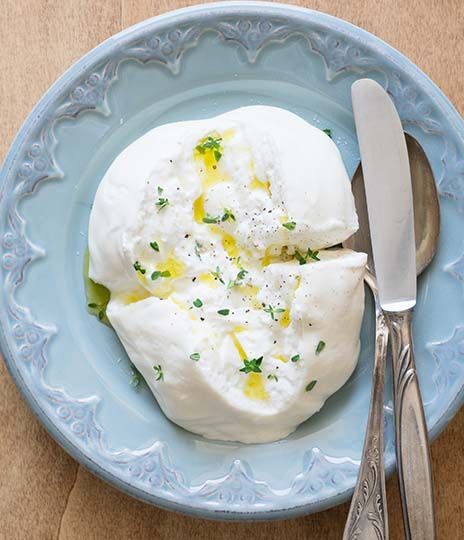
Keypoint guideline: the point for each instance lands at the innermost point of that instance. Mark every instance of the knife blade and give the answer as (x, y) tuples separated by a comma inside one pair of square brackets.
[(387, 181)]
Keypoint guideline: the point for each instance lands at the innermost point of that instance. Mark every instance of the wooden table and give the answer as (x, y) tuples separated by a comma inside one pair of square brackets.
[(44, 494)]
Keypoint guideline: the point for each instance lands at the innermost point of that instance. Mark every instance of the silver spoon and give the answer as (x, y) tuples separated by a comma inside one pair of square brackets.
[(367, 518)]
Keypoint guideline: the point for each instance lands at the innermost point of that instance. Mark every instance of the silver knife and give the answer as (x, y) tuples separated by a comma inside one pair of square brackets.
[(387, 181)]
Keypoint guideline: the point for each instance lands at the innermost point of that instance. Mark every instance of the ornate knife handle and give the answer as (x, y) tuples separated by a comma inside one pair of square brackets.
[(367, 518), (412, 445)]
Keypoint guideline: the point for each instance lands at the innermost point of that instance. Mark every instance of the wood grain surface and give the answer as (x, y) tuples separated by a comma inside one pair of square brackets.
[(44, 494)]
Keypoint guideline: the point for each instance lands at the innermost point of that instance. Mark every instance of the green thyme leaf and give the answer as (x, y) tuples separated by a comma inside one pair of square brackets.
[(195, 356), (290, 225), (157, 274), (197, 303), (273, 311), (310, 254), (224, 312), (310, 386), (320, 347), (218, 275), (241, 275), (252, 365), (227, 214), (211, 219), (328, 132), (299, 257), (154, 245), (162, 202), (272, 377), (198, 246), (139, 268), (159, 373), (211, 144), (136, 379), (295, 358), (100, 310), (238, 280)]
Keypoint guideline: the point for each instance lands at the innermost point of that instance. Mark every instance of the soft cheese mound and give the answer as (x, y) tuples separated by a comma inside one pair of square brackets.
[(211, 237)]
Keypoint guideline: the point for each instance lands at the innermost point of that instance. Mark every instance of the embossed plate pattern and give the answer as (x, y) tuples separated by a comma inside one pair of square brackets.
[(72, 370)]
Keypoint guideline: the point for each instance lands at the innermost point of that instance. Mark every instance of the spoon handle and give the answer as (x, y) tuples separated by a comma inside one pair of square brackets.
[(412, 445), (367, 518)]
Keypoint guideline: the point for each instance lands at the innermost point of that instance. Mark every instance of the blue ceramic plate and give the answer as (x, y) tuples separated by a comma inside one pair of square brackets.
[(73, 371)]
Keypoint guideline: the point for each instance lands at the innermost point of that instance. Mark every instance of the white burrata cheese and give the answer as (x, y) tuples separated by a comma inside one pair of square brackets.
[(199, 229)]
